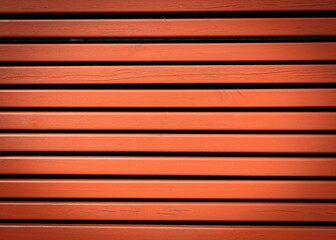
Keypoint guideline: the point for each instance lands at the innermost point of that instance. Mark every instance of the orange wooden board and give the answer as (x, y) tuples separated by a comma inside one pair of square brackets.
[(172, 211), (288, 143), (184, 189), (114, 6), (150, 232), (168, 120), (194, 52), (225, 27), (170, 98), (312, 73), (205, 166)]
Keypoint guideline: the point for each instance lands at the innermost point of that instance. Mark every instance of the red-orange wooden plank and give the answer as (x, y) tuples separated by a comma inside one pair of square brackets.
[(304, 143), (168, 120), (325, 73), (168, 52), (171, 232), (168, 211), (206, 166), (115, 6), (185, 189), (168, 27), (170, 98)]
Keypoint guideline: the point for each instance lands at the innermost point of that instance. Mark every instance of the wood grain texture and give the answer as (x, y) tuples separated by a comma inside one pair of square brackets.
[(296, 73), (239, 27), (168, 211), (288, 143), (150, 232), (170, 98), (194, 52), (168, 120), (184, 189), (204, 166), (114, 6)]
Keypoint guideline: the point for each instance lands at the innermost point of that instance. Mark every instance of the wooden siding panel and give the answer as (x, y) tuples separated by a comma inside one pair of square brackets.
[(133, 6), (308, 121), (177, 52), (204, 166), (170, 98), (278, 143), (175, 74), (163, 211), (238, 27), (161, 189)]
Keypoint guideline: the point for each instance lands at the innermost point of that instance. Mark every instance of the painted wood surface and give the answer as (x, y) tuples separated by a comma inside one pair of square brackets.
[(278, 121), (152, 74), (165, 52), (183, 98), (220, 27), (276, 143), (131, 6), (171, 232), (165, 211), (164, 189), (185, 166)]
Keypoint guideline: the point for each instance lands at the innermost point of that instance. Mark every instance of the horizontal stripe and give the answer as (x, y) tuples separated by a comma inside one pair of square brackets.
[(114, 6), (288, 143), (168, 120), (149, 232), (170, 98), (160, 211), (205, 166), (169, 27), (325, 73), (197, 52), (185, 189)]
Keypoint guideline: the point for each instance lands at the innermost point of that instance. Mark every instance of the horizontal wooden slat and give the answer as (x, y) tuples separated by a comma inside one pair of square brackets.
[(325, 73), (114, 6), (185, 189), (197, 52), (168, 121), (170, 98), (150, 232), (163, 211), (304, 143), (206, 166), (169, 27)]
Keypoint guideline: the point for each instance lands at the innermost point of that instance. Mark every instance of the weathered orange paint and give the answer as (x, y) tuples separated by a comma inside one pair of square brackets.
[(167, 52), (278, 143), (149, 232), (166, 74), (220, 27), (254, 189), (205, 166), (184, 189), (168, 120), (166, 211), (170, 98), (132, 6)]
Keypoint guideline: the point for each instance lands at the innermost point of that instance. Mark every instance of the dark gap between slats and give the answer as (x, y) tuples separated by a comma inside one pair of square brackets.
[(168, 200), (221, 223), (163, 63), (159, 177), (165, 86), (151, 15), (167, 40), (167, 154)]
